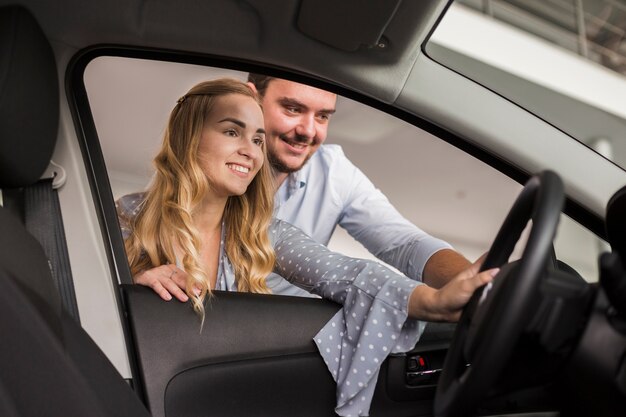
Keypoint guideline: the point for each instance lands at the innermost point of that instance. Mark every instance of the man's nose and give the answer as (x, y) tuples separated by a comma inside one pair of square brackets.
[(306, 126)]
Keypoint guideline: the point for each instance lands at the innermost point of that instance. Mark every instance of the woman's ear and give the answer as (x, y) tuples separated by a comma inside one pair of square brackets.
[(252, 87)]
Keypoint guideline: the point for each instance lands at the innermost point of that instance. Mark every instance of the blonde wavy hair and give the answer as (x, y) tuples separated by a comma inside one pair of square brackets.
[(164, 224)]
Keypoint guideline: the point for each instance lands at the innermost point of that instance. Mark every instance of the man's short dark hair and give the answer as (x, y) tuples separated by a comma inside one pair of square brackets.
[(260, 81)]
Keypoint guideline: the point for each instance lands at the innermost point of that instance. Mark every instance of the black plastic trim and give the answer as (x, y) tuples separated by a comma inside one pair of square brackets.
[(101, 193)]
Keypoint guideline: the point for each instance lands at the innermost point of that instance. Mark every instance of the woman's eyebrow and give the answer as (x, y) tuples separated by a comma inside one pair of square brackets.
[(239, 123), (233, 120)]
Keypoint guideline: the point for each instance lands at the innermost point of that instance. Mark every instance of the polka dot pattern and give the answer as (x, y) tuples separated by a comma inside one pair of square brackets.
[(372, 323), (127, 209)]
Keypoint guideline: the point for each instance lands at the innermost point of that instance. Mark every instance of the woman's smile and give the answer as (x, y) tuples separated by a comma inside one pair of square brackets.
[(239, 169)]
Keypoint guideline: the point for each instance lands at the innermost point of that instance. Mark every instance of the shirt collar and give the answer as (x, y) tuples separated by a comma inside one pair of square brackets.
[(295, 181), (292, 183)]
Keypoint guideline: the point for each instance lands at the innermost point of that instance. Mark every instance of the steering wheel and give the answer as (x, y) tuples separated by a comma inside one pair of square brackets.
[(497, 313)]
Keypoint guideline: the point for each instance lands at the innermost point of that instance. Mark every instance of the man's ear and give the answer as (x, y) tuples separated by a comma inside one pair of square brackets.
[(252, 87)]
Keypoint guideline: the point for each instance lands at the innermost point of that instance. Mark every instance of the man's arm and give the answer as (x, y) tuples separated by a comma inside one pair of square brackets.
[(371, 219), (442, 266)]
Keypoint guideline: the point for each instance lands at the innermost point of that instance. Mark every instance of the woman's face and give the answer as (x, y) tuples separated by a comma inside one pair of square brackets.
[(231, 146)]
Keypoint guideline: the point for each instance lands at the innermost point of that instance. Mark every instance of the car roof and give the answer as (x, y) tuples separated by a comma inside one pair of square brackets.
[(391, 68), (251, 29)]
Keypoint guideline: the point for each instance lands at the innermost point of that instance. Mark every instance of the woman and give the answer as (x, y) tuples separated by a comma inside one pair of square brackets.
[(206, 223), (210, 178)]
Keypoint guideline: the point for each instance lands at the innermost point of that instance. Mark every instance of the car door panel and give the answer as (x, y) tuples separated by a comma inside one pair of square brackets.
[(287, 385), (254, 355), (247, 339)]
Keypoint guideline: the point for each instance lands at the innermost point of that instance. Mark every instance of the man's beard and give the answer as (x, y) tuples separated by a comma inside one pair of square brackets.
[(279, 166)]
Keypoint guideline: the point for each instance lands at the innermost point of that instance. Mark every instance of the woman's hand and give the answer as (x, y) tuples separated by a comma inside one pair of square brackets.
[(165, 280), (446, 303)]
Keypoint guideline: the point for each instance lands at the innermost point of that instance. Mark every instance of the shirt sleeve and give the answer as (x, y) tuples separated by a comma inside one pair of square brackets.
[(371, 219), (372, 323)]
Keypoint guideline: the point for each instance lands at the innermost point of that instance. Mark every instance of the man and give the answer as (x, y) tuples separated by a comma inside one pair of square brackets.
[(319, 188)]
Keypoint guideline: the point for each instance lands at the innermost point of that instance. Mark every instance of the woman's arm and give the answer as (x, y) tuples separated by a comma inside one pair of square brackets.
[(312, 266), (378, 305)]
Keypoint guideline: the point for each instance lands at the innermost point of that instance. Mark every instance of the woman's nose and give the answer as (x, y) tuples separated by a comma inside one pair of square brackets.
[(247, 149)]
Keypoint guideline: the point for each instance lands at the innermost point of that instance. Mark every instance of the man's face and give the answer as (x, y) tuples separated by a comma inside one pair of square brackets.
[(296, 122)]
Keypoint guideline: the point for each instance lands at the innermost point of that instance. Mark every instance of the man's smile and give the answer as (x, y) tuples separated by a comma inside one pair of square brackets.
[(295, 145)]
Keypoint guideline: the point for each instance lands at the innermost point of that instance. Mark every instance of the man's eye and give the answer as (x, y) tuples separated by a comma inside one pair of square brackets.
[(292, 109)]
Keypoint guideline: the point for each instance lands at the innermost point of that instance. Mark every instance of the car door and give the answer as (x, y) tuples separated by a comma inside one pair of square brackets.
[(254, 354)]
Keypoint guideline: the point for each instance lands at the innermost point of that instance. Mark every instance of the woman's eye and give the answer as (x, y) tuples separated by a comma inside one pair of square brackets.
[(258, 141), (231, 132)]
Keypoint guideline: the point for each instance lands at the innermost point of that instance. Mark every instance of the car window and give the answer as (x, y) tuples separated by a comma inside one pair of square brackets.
[(563, 61), (437, 186)]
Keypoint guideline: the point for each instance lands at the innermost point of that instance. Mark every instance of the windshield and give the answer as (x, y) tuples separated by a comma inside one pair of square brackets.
[(564, 61)]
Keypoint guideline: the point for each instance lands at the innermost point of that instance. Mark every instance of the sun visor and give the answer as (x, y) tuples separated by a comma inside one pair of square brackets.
[(346, 24)]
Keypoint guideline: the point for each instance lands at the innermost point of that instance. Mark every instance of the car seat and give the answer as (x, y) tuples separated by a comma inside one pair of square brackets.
[(49, 366)]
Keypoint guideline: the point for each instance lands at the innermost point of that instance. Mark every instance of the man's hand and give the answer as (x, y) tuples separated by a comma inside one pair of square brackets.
[(446, 304), (165, 280)]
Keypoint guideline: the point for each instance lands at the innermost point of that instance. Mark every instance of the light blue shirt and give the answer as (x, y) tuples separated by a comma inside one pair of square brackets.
[(329, 191)]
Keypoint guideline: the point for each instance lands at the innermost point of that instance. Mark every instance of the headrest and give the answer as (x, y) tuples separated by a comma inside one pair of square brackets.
[(29, 99)]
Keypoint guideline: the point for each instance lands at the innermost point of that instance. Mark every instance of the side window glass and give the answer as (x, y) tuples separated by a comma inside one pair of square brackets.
[(579, 248), (131, 100), (439, 188)]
